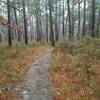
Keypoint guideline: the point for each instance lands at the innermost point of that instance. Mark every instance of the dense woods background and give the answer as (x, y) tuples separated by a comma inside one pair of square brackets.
[(48, 20)]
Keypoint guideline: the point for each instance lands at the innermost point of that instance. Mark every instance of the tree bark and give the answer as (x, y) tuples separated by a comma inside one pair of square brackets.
[(63, 28), (84, 19), (70, 33), (51, 23), (47, 39), (93, 19), (78, 34), (98, 24), (25, 23), (9, 25)]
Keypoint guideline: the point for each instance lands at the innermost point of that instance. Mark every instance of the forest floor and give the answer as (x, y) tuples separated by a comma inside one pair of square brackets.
[(67, 80), (72, 80), (14, 64), (73, 73)]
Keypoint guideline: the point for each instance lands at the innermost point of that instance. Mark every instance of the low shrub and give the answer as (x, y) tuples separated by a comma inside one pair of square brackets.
[(67, 46), (87, 46), (3, 63)]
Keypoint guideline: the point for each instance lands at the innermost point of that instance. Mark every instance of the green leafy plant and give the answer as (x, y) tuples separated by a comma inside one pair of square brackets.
[(3, 63)]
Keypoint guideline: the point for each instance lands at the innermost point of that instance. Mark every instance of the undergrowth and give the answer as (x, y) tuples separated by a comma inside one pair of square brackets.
[(78, 59)]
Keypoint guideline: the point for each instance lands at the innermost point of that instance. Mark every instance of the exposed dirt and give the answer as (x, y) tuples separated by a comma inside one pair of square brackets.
[(37, 84)]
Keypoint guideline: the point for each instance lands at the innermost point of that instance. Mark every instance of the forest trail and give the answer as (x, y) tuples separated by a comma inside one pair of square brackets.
[(37, 83)]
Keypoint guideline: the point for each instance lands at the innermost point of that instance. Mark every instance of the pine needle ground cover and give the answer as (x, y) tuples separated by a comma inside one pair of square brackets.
[(15, 62), (75, 70)]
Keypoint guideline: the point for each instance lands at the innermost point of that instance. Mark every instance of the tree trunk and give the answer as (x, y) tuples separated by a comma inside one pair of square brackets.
[(19, 17), (47, 39), (78, 34), (72, 20), (70, 33), (9, 25), (56, 23), (84, 19), (98, 24), (15, 18), (63, 28), (25, 23), (93, 19), (51, 23)]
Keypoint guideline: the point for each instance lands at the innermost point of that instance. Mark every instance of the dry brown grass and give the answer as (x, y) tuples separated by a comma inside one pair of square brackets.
[(69, 77), (18, 63)]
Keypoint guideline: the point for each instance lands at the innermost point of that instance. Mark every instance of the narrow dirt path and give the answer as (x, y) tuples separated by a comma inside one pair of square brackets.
[(37, 84)]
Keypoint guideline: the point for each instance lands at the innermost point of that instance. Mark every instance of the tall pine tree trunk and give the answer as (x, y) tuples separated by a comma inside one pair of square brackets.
[(51, 23), (84, 19), (25, 23), (15, 18), (47, 39), (63, 28), (93, 19), (56, 23), (78, 34), (70, 33), (9, 25)]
